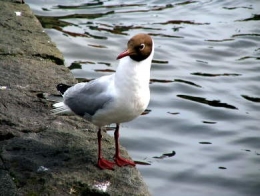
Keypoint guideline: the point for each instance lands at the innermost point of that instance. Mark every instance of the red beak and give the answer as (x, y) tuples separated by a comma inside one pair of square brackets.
[(123, 54)]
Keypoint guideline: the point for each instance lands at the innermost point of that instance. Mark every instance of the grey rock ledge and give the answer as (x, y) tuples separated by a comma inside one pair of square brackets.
[(41, 154)]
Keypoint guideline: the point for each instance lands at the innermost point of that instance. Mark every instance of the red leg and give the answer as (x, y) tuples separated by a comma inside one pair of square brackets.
[(119, 160), (103, 163)]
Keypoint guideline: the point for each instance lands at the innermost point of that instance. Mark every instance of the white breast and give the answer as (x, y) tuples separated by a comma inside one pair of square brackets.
[(130, 90)]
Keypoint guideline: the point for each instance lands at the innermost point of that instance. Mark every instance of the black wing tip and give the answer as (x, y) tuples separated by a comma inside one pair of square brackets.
[(62, 88)]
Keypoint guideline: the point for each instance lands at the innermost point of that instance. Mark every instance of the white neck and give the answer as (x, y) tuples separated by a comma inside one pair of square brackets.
[(133, 75)]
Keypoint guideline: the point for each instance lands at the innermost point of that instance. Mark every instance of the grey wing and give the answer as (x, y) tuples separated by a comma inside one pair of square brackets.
[(85, 99)]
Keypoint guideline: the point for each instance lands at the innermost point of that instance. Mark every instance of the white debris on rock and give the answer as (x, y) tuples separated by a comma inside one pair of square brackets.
[(102, 186), (42, 169), (18, 13)]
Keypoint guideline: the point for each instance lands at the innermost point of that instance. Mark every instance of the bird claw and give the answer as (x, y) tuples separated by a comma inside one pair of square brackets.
[(123, 162), (105, 164)]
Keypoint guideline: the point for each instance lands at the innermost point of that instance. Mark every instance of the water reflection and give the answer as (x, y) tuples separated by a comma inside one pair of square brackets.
[(165, 155), (204, 85), (215, 75), (253, 99), (214, 103)]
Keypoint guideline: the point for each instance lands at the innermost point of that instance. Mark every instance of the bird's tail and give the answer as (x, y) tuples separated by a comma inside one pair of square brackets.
[(60, 108)]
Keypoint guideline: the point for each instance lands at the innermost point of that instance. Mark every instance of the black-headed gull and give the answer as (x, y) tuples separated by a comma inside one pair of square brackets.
[(115, 98)]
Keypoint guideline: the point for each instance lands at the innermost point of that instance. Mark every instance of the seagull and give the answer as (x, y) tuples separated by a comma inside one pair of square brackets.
[(116, 98)]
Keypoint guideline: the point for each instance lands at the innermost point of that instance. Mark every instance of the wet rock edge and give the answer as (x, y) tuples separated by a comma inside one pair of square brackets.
[(41, 154)]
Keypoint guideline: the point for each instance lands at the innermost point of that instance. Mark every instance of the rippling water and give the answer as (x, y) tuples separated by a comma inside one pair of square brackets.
[(202, 134)]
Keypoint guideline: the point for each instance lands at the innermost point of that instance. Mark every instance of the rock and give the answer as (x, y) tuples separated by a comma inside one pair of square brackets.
[(42, 154)]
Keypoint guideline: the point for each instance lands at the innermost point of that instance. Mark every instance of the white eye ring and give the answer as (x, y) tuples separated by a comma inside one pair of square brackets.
[(142, 46)]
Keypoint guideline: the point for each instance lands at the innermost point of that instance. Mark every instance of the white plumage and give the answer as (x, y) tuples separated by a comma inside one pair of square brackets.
[(115, 98)]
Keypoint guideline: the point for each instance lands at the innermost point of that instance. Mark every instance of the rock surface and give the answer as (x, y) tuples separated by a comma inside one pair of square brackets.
[(41, 154)]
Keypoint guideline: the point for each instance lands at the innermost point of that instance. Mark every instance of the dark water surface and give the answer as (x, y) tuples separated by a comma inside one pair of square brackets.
[(205, 87)]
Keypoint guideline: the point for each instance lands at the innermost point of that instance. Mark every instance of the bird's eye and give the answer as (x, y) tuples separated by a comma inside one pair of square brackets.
[(142, 46)]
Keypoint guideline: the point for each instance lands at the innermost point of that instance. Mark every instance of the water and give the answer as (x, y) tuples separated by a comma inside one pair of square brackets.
[(205, 87)]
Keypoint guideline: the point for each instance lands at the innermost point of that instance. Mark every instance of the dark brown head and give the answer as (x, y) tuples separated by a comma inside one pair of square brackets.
[(139, 47)]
